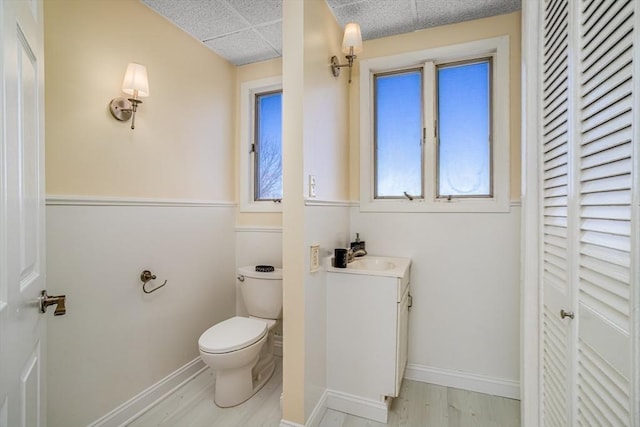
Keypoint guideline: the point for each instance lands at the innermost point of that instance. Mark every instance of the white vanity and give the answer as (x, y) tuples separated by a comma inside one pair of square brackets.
[(367, 321)]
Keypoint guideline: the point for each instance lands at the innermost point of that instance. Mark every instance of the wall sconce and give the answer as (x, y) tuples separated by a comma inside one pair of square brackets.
[(351, 45), (136, 84)]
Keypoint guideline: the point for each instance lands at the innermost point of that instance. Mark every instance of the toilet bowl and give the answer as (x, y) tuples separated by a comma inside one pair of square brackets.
[(240, 349)]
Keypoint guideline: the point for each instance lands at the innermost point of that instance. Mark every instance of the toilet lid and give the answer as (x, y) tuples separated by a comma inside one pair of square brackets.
[(232, 334)]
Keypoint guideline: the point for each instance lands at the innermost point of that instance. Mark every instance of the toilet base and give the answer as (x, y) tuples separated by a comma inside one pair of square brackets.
[(236, 386)]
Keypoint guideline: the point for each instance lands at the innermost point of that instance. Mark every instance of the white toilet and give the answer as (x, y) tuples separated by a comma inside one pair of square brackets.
[(240, 349)]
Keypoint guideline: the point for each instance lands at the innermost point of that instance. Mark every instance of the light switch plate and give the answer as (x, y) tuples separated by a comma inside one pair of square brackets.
[(314, 264), (312, 186)]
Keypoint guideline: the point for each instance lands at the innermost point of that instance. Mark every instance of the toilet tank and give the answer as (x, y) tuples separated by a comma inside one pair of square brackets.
[(261, 292)]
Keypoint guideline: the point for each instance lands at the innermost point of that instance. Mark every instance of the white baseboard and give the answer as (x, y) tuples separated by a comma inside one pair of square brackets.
[(463, 380), (316, 415), (131, 409), (285, 423), (318, 412), (358, 406)]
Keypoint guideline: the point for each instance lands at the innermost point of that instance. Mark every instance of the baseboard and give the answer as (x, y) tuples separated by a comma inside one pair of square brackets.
[(358, 406), (131, 409), (316, 415), (463, 380), (285, 423), (318, 411)]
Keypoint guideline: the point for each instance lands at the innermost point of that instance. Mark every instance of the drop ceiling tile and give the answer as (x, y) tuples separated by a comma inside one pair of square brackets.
[(242, 48), (258, 11), (272, 34), (432, 13), (202, 19), (379, 18)]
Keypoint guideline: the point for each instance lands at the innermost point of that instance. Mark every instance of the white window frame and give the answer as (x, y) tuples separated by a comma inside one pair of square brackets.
[(248, 90), (498, 49)]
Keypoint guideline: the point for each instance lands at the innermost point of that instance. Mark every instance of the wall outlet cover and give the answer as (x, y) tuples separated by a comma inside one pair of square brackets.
[(314, 264)]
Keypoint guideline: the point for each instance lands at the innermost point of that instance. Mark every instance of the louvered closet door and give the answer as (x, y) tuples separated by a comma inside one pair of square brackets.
[(556, 273), (604, 166), (590, 266)]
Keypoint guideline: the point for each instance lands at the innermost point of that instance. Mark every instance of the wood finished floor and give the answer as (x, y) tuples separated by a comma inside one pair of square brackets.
[(419, 405)]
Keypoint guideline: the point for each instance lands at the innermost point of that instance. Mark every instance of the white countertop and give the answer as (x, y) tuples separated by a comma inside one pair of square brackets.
[(396, 266)]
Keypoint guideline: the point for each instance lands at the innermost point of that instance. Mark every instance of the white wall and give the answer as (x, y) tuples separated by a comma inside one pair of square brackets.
[(465, 284), (115, 341), (326, 226)]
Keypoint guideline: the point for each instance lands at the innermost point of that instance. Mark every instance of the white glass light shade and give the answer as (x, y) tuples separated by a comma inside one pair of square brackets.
[(135, 79), (352, 37)]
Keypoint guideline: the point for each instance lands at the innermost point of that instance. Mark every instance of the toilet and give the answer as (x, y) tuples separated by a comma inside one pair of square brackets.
[(240, 349)]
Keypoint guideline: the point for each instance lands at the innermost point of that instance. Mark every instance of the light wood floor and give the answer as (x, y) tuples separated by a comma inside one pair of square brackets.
[(419, 405)]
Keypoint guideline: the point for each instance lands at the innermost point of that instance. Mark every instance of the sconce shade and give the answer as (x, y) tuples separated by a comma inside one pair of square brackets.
[(352, 38), (135, 79)]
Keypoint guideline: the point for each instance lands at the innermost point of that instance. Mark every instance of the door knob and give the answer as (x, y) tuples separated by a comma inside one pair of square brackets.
[(46, 301), (568, 314)]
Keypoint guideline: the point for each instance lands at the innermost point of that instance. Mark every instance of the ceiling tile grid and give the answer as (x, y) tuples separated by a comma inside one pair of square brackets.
[(201, 18), (247, 31), (245, 47), (377, 18), (432, 13)]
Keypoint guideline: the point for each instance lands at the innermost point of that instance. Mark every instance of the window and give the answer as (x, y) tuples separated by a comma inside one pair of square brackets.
[(434, 130), (267, 146), (463, 118), (398, 134), (261, 145)]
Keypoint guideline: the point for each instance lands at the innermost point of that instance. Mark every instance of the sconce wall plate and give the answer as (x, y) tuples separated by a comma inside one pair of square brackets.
[(335, 66), (121, 109)]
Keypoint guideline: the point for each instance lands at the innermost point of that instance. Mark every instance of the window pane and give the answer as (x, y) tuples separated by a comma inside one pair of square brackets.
[(464, 146), (268, 148), (398, 133)]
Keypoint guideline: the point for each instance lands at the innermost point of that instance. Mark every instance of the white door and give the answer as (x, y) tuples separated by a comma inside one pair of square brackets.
[(556, 239), (22, 257), (590, 197), (605, 256)]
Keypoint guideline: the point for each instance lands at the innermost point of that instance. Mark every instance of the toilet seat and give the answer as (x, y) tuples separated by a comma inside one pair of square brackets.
[(232, 334)]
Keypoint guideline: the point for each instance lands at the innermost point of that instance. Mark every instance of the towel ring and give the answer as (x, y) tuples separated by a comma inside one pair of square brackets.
[(147, 276)]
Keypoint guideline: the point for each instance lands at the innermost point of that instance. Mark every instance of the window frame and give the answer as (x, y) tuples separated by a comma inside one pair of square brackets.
[(248, 92), (374, 76), (489, 59), (498, 49)]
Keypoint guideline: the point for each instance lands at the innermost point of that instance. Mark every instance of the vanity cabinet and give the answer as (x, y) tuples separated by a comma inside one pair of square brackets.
[(367, 337)]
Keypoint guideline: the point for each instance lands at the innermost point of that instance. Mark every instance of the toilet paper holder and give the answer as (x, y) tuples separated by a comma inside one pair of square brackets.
[(146, 276)]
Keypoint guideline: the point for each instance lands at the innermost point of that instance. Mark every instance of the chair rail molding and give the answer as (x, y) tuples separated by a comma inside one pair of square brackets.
[(75, 200)]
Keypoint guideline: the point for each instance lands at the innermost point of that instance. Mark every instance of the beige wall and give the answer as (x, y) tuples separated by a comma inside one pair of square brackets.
[(442, 36), (326, 121), (293, 210), (183, 141), (247, 73), (314, 141)]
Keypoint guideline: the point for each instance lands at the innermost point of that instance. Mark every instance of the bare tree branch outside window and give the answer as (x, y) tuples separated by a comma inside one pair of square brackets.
[(268, 147), (269, 169)]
